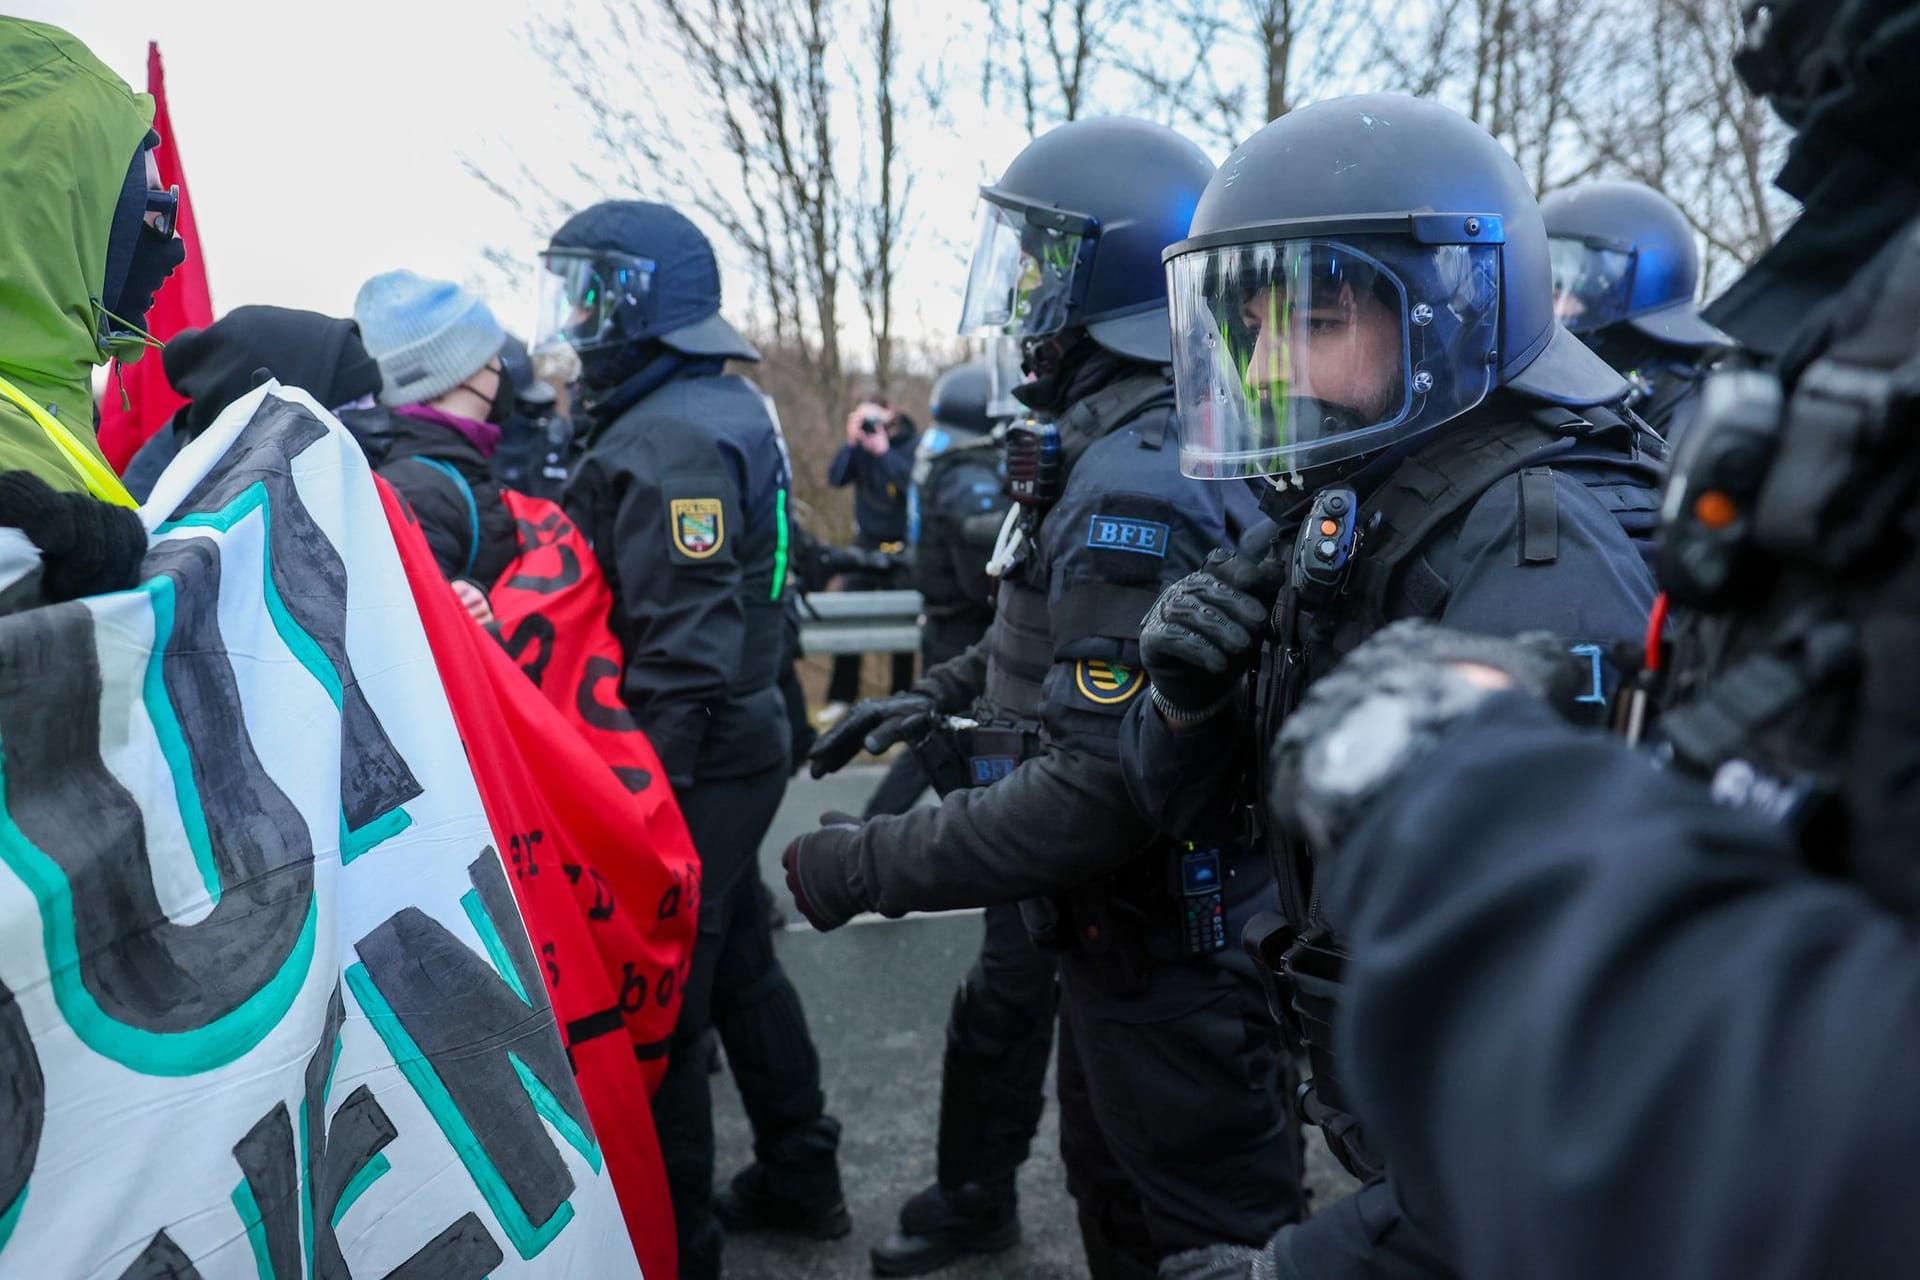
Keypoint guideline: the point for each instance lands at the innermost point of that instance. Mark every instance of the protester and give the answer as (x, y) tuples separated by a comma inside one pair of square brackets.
[(86, 240), (444, 393), (214, 366)]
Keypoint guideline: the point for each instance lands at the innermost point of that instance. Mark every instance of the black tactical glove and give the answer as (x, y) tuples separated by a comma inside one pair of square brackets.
[(1221, 1262), (87, 547), (1386, 705), (876, 724), (821, 875), (1205, 630)]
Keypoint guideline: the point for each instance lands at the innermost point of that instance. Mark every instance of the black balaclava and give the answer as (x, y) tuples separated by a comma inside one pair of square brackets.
[(139, 259)]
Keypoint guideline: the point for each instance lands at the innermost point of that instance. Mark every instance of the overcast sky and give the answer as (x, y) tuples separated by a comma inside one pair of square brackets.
[(323, 141)]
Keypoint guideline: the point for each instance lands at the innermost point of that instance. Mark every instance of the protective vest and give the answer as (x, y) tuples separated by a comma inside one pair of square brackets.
[(1391, 580), (1020, 645)]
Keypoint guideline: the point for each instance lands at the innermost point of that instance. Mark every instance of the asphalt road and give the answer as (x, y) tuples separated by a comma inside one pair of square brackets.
[(877, 994)]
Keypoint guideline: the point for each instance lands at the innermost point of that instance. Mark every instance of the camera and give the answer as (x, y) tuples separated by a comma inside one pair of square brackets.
[(872, 425)]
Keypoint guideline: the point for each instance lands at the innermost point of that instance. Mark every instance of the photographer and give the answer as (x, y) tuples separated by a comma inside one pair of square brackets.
[(877, 460)]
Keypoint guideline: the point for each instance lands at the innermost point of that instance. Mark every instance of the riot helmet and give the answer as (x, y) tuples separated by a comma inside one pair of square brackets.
[(1069, 241), (960, 398), (629, 272), (1624, 254), (1358, 273)]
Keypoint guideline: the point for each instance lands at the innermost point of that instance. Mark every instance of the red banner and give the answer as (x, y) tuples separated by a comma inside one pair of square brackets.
[(182, 303), (552, 605), (606, 879)]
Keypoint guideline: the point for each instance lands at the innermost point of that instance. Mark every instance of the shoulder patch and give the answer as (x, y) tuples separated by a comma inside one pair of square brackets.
[(698, 525), (1107, 684), (1128, 533)]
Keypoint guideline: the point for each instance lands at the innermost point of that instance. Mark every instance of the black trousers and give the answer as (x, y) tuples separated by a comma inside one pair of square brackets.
[(999, 1038), (1175, 1124), (735, 985)]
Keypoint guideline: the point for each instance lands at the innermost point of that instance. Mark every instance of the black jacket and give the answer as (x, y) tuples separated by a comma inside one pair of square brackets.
[(1061, 819), (1596, 588), (684, 497), (879, 484), (449, 484)]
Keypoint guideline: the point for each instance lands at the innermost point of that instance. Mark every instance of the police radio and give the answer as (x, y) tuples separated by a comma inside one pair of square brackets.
[(1034, 477), (1707, 551), (1203, 912), (1323, 550)]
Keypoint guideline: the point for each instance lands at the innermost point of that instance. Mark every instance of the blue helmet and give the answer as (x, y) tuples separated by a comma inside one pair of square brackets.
[(1070, 237), (629, 271), (1358, 273), (1625, 254), (961, 396)]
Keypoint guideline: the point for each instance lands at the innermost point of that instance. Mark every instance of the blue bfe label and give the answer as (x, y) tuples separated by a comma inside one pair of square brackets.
[(990, 769), (1123, 533)]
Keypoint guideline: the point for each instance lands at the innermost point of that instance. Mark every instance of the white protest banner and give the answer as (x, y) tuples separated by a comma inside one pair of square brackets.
[(267, 1008)]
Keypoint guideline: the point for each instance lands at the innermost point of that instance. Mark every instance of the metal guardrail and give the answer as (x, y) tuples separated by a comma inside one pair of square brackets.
[(835, 622)]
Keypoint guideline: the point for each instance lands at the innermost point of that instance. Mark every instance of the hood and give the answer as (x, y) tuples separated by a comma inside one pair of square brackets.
[(214, 366), (69, 129)]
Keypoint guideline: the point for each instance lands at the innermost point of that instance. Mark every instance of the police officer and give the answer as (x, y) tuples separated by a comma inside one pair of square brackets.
[(1625, 273), (1173, 1125), (1688, 994), (537, 446), (683, 493), (1363, 322), (955, 506)]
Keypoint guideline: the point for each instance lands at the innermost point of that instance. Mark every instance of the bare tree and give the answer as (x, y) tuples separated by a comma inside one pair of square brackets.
[(1223, 71), (763, 89), (879, 221), (1059, 48)]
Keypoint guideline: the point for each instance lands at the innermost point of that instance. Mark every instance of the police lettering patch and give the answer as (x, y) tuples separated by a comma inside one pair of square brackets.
[(698, 526), (1123, 533), (1107, 684)]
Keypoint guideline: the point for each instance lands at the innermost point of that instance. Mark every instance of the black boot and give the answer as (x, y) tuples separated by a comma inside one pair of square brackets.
[(939, 1226), (794, 1187)]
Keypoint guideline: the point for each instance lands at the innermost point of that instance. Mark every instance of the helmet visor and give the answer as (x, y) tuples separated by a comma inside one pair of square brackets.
[(1025, 279), (1293, 354), (583, 291), (1590, 283)]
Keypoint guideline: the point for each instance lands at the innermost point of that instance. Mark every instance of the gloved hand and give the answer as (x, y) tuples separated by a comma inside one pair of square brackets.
[(876, 723), (822, 876), (1220, 1262), (1363, 725), (87, 547), (1205, 630)]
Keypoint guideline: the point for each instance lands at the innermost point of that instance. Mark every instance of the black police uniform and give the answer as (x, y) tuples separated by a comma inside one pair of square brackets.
[(683, 495), (1691, 991), (954, 511), (1173, 1126), (1537, 539)]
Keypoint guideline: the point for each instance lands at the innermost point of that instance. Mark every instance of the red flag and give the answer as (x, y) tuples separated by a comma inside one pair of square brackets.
[(609, 895), (182, 303)]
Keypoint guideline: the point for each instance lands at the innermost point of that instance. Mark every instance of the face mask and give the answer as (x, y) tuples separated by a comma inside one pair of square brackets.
[(155, 257)]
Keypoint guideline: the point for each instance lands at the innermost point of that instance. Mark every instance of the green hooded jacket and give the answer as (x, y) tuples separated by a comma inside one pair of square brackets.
[(68, 130)]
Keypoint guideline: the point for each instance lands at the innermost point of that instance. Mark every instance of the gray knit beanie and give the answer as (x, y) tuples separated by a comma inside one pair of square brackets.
[(429, 336)]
